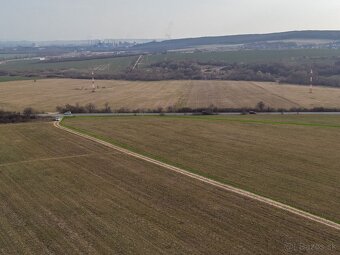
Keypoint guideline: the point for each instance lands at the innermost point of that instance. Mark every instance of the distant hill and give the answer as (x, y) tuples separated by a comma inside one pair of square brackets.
[(284, 37)]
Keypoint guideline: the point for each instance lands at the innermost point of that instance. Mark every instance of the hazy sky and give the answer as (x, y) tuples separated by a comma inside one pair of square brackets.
[(90, 19)]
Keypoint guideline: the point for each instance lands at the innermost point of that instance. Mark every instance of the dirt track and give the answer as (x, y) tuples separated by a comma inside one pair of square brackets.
[(241, 192)]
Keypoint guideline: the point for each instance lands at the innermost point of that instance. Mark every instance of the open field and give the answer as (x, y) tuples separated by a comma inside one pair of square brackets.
[(7, 56), (63, 194), (292, 159), (250, 56), (102, 66), (15, 78), (45, 95)]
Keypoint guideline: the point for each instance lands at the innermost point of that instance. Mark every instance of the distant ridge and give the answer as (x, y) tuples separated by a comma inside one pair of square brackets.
[(240, 39)]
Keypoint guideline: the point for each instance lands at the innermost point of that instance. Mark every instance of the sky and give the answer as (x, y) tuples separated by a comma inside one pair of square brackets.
[(43, 20)]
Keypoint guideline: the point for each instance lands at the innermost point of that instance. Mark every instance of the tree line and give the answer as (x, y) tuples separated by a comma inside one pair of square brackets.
[(259, 107), (28, 114)]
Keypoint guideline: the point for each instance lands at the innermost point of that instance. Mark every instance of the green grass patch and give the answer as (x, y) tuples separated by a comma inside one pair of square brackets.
[(239, 119), (250, 56), (16, 78)]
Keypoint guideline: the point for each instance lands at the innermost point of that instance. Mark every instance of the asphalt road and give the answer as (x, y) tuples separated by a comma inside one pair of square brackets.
[(182, 114)]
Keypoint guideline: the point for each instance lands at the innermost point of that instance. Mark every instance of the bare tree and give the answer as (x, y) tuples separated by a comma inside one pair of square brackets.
[(91, 108), (260, 106), (107, 108), (28, 112)]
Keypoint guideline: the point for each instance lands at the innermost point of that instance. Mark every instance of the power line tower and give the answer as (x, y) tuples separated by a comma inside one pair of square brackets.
[(311, 82), (93, 85)]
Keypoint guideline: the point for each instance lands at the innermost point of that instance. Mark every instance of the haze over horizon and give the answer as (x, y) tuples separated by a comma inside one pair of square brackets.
[(44, 20)]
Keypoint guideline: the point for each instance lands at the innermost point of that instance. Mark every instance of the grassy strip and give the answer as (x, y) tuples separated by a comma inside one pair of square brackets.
[(271, 122), (169, 162), (16, 78), (209, 118)]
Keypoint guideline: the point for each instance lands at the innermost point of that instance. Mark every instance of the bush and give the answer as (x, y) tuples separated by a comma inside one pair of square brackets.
[(28, 112), (89, 108), (16, 117)]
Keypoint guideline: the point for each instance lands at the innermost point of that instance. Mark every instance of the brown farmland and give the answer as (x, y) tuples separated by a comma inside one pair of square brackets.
[(45, 95), (63, 194), (292, 163)]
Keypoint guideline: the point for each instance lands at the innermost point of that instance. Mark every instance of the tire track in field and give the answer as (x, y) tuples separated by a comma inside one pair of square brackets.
[(51, 158), (226, 187), (276, 95)]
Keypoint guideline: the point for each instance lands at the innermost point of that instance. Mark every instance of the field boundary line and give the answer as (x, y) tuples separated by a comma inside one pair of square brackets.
[(51, 159), (223, 186), (276, 95)]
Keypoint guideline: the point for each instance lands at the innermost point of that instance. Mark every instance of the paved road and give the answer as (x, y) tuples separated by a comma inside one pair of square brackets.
[(241, 192), (183, 114)]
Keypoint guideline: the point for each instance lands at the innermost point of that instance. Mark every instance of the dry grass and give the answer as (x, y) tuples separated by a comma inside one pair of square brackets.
[(297, 165), (45, 95), (77, 197)]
